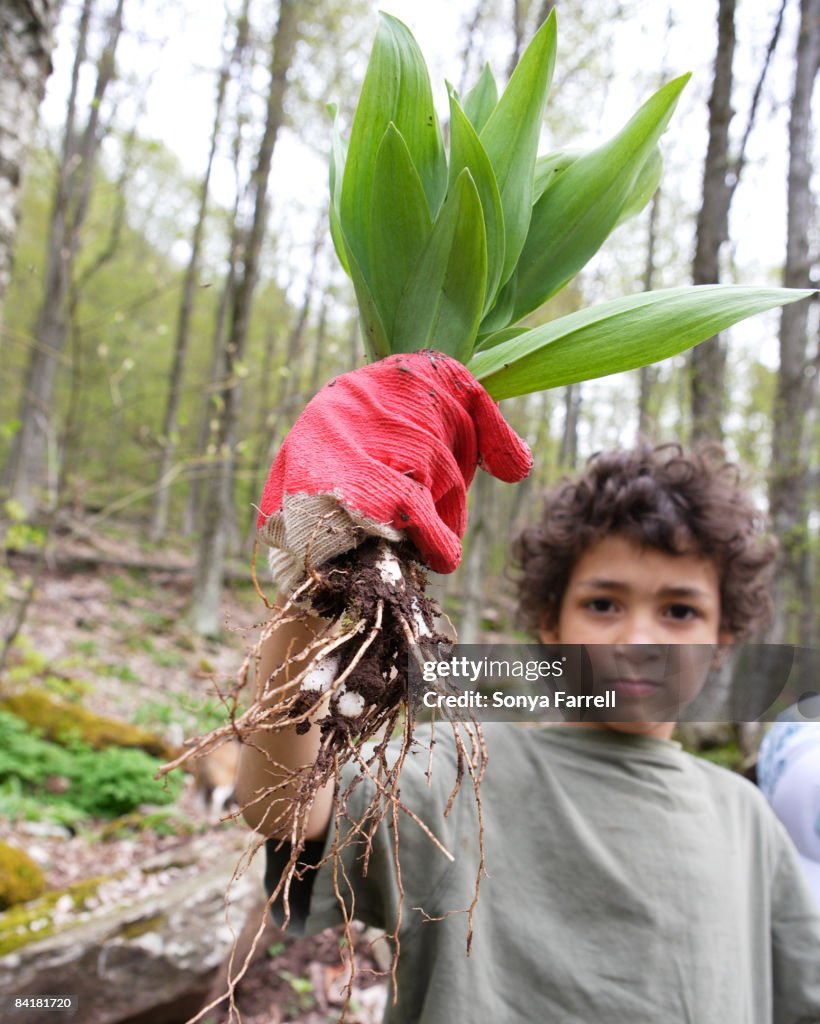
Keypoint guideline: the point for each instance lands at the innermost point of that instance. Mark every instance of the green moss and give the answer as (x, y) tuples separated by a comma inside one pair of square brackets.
[(33, 921), (63, 722), (21, 879), (161, 823), (134, 929)]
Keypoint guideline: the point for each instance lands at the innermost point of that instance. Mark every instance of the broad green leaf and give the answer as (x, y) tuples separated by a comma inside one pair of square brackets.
[(396, 88), (337, 163), (510, 136), (501, 313), (554, 164), (646, 185), (507, 334), (573, 217), (480, 101), (466, 151), (400, 224), (441, 306), (548, 168), (374, 336), (620, 335)]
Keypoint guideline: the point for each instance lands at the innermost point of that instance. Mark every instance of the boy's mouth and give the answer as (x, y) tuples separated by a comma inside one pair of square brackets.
[(634, 688)]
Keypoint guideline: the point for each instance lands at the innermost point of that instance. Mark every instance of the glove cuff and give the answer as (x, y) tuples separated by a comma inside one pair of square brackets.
[(318, 525)]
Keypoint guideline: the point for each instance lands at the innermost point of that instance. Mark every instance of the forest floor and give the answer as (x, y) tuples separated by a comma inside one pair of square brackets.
[(117, 641)]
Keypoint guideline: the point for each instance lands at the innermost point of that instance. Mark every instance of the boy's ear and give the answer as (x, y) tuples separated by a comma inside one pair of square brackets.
[(547, 633)]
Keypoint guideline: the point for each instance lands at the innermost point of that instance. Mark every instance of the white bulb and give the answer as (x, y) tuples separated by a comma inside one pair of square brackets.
[(322, 675), (351, 705)]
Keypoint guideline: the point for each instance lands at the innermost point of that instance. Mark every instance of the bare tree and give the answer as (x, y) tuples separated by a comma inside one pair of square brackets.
[(170, 424), (568, 457), (648, 374), (796, 387), (721, 175), (26, 468), (708, 360), (26, 28), (217, 515)]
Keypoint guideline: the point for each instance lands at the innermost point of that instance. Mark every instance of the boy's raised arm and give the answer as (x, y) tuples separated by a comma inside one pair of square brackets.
[(385, 451), (268, 754)]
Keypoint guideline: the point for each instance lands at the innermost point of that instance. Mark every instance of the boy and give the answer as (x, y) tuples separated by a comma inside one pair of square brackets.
[(625, 880)]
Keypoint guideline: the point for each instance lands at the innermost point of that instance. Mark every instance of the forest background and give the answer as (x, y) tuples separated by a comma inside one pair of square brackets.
[(170, 300), (175, 301)]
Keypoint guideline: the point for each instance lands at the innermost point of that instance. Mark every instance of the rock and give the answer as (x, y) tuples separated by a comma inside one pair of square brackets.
[(145, 945), (43, 830)]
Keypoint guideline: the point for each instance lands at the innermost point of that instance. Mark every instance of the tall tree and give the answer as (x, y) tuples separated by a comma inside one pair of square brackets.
[(26, 42), (708, 360), (648, 374), (26, 468), (219, 500), (796, 388), (721, 176), (232, 57)]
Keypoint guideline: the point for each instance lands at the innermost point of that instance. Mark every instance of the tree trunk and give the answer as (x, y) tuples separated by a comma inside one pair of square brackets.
[(648, 374), (211, 555), (796, 389), (568, 457), (29, 460), (170, 425), (518, 36), (26, 43), (708, 360), (469, 32)]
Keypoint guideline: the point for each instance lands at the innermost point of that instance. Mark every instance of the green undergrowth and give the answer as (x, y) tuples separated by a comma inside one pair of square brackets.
[(74, 781), (64, 722)]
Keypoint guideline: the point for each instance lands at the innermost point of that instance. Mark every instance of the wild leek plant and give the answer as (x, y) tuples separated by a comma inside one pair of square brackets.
[(452, 251), (449, 249)]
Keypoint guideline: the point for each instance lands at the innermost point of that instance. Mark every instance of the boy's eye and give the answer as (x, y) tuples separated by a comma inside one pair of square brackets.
[(600, 604), (681, 612)]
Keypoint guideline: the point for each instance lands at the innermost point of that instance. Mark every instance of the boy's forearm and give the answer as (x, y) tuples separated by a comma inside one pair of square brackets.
[(268, 755)]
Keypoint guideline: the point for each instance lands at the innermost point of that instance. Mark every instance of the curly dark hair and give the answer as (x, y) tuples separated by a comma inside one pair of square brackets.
[(664, 498)]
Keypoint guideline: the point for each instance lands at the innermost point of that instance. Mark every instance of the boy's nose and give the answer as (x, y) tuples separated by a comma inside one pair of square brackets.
[(637, 630)]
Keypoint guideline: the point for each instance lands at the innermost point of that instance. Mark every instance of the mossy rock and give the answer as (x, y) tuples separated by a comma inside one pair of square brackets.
[(33, 922), (21, 879), (61, 722)]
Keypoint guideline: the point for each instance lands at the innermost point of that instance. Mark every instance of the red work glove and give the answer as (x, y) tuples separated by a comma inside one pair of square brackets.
[(385, 451)]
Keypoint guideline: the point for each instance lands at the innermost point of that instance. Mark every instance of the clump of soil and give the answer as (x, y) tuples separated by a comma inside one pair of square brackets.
[(353, 683)]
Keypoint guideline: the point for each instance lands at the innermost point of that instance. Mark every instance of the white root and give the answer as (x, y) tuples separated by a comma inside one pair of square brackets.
[(350, 704), (422, 629), (322, 676), (389, 567)]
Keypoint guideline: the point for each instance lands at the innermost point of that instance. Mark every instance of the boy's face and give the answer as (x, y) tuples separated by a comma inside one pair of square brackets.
[(627, 597)]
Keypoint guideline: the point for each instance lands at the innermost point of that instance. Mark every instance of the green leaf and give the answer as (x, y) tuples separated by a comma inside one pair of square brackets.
[(481, 100), (619, 335), (396, 88), (501, 313), (549, 167), (337, 163), (646, 185), (400, 224), (466, 151), (374, 335), (510, 136), (499, 337), (573, 217), (441, 306)]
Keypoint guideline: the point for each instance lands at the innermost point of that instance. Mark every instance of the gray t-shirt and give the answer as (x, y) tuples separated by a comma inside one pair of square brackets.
[(627, 881)]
